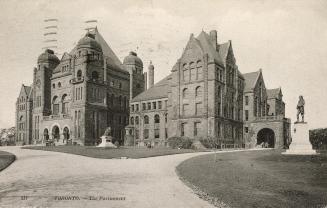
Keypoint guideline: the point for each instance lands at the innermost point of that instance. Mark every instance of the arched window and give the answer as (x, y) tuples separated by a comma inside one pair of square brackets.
[(132, 120), (112, 100), (199, 70), (193, 71), (198, 91), (95, 76), (184, 95), (59, 84), (156, 118), (185, 73), (120, 102), (137, 120), (64, 101), (146, 119), (55, 105), (124, 104), (79, 74)]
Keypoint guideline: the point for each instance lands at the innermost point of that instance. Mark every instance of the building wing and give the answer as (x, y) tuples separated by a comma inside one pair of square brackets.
[(159, 90)]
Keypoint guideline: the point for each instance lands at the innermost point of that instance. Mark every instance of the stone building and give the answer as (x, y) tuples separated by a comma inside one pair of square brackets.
[(264, 113), (202, 97), (74, 99)]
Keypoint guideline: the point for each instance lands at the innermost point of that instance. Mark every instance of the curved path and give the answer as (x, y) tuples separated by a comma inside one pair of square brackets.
[(42, 176)]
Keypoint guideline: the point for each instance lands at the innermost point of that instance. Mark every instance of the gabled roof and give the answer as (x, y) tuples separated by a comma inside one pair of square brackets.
[(27, 89), (207, 47), (159, 90), (223, 50), (250, 80), (65, 56), (112, 59), (273, 93)]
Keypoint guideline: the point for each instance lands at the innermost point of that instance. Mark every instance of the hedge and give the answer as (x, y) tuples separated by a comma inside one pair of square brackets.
[(180, 142), (318, 138)]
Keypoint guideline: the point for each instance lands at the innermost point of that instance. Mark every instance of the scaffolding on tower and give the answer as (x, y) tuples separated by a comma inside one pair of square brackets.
[(50, 34)]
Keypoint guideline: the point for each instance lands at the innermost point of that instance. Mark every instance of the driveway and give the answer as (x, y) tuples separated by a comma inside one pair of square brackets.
[(52, 179)]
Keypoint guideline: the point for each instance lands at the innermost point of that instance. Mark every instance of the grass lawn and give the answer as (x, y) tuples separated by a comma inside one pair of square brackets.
[(6, 159), (259, 178), (108, 153)]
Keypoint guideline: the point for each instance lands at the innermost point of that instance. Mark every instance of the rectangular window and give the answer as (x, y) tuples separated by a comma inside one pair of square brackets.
[(246, 129), (185, 76), (166, 104), (199, 73), (198, 108), (55, 109), (221, 75), (196, 128), (246, 115), (246, 100), (154, 104), (132, 108), (157, 133), (146, 133), (159, 104), (166, 133), (143, 106), (149, 106), (185, 110), (137, 107), (193, 74), (182, 129)]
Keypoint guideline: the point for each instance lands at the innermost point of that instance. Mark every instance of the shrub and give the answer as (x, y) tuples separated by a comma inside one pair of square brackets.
[(180, 142), (318, 138), (210, 142)]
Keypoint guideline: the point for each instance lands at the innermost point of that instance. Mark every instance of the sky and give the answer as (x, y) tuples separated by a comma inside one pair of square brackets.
[(287, 39)]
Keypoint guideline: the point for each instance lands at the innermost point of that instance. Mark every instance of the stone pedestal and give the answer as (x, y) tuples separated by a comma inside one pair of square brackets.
[(106, 142), (300, 141)]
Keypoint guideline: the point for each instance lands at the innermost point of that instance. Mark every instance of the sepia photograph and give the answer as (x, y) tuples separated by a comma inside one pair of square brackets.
[(163, 104)]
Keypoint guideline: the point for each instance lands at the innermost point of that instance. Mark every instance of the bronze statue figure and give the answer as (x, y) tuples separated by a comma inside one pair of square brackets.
[(300, 108), (107, 131)]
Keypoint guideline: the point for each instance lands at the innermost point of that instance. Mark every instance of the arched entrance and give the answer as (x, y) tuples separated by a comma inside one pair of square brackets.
[(55, 133), (66, 135), (266, 138), (46, 135)]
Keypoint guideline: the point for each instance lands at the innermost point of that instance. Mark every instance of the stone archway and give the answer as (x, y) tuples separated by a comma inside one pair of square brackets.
[(55, 133), (66, 134), (46, 134), (266, 137)]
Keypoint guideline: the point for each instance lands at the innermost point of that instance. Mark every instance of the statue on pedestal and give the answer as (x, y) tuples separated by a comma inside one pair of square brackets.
[(107, 139), (300, 108)]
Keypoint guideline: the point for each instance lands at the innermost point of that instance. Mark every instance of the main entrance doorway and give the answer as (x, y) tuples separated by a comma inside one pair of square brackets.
[(266, 138), (55, 133)]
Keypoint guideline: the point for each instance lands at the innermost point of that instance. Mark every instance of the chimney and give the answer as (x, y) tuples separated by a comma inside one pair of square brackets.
[(145, 80), (151, 74), (213, 38)]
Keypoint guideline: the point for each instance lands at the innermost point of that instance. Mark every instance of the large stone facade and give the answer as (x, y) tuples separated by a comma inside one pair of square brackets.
[(204, 95), (264, 114), (207, 96), (74, 99)]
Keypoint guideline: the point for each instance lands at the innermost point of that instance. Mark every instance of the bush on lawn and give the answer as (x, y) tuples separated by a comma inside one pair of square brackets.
[(318, 139), (180, 142), (210, 142)]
